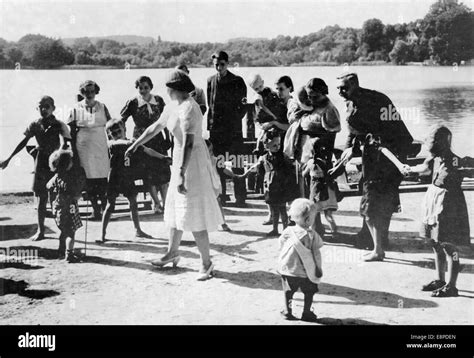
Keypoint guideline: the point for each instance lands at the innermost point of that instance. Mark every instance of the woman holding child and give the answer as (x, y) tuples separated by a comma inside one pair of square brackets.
[(310, 140), (191, 204)]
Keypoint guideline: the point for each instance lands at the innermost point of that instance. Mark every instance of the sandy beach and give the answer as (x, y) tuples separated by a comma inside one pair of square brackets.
[(116, 284)]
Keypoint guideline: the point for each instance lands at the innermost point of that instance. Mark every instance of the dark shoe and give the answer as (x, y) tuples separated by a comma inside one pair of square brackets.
[(273, 233), (72, 258), (143, 235), (61, 255), (226, 227), (287, 315), (433, 285), (268, 222), (309, 317), (445, 291), (291, 223)]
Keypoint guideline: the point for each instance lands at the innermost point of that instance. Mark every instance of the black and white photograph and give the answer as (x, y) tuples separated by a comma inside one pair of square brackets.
[(237, 163)]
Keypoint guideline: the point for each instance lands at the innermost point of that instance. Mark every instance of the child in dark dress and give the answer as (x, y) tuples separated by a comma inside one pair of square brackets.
[(121, 176), (65, 188), (279, 183), (50, 134), (445, 220)]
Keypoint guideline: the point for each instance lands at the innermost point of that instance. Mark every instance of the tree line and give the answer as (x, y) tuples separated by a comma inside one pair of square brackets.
[(444, 36)]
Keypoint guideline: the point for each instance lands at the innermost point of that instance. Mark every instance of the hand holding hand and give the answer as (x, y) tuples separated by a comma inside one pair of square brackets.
[(130, 150), (266, 126), (406, 169), (346, 155)]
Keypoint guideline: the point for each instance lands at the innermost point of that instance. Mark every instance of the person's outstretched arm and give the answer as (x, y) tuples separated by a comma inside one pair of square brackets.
[(403, 168), (148, 134), (18, 148)]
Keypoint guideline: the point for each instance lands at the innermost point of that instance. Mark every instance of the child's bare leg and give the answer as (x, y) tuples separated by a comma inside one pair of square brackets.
[(164, 193), (288, 311), (440, 262), (284, 215), (318, 225), (377, 232), (330, 220), (41, 215), (70, 243), (109, 209), (452, 258), (275, 218), (134, 215), (154, 195)]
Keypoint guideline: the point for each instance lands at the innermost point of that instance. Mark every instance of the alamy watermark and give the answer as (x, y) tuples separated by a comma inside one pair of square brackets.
[(14, 255), (241, 161), (408, 114)]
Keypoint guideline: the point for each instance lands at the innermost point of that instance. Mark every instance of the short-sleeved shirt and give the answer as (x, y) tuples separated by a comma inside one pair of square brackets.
[(46, 132), (291, 264)]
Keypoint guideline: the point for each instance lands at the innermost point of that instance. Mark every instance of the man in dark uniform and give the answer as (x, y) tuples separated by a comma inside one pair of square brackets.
[(373, 112), (226, 95)]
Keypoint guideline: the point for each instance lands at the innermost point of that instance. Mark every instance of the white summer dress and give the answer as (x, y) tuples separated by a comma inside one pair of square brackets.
[(198, 209)]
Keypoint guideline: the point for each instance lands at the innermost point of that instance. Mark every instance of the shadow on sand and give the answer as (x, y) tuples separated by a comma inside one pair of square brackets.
[(8, 286)]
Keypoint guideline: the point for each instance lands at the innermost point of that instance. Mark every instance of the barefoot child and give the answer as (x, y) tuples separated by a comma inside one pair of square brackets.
[(279, 182), (323, 188), (217, 182), (50, 134), (299, 261), (65, 188), (445, 219), (121, 177)]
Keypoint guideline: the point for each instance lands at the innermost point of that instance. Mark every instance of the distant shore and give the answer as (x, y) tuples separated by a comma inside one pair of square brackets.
[(304, 64)]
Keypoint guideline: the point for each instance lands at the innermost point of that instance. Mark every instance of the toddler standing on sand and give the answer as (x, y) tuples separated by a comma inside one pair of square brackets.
[(299, 261)]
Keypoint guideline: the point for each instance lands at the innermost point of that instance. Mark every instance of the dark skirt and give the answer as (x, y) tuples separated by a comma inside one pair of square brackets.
[(291, 283), (155, 172), (379, 199), (96, 186), (453, 221)]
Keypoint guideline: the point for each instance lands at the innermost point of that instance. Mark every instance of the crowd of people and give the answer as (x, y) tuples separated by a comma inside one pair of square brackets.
[(295, 131)]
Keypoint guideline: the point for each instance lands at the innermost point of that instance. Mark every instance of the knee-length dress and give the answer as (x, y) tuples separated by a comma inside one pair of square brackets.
[(91, 140), (444, 210), (198, 209)]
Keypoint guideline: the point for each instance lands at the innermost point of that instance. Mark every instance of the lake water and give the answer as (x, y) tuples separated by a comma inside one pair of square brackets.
[(425, 96)]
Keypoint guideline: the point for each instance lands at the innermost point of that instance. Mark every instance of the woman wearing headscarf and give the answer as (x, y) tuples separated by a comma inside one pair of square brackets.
[(87, 122), (191, 204)]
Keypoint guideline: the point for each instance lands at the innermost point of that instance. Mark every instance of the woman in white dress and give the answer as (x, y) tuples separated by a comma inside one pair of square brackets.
[(191, 204), (87, 121)]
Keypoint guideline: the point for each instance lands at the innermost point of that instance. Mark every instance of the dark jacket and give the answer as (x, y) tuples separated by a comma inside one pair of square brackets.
[(224, 97), (373, 112)]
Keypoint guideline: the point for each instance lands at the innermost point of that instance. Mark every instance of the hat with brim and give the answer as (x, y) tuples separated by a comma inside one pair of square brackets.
[(221, 55), (180, 81)]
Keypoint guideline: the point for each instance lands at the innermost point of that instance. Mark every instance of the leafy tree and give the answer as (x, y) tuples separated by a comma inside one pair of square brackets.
[(400, 53)]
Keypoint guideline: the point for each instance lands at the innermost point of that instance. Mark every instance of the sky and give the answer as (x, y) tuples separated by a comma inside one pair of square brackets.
[(198, 20)]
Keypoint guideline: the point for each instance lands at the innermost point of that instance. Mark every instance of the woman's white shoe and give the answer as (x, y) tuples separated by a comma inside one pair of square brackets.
[(161, 263), (202, 276)]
